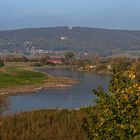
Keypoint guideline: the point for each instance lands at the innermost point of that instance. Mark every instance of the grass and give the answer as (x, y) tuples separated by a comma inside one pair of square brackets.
[(14, 76), (43, 125)]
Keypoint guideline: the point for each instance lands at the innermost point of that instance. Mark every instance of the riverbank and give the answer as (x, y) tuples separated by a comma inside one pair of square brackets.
[(51, 82), (17, 80), (93, 69), (80, 69)]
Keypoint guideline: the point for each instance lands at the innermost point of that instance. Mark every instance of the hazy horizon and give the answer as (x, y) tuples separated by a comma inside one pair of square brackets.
[(107, 14)]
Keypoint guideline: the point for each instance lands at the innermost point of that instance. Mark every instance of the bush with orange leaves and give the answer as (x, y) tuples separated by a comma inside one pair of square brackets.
[(117, 114)]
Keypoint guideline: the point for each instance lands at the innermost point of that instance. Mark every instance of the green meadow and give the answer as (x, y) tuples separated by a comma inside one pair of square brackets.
[(15, 76)]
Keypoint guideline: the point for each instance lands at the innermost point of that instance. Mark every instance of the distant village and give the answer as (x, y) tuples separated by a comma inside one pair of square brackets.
[(27, 48), (81, 61)]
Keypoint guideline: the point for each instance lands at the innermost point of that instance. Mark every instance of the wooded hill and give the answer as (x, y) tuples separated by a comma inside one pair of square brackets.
[(103, 41)]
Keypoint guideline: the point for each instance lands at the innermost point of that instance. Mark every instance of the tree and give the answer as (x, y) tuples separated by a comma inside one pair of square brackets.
[(1, 63), (96, 60), (43, 60), (23, 59), (69, 56), (117, 114), (122, 63)]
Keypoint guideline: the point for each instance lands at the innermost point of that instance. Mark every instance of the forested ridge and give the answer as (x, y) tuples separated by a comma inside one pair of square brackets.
[(104, 41)]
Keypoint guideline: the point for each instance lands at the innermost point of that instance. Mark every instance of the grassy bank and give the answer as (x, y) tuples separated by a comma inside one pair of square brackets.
[(16, 76), (43, 125)]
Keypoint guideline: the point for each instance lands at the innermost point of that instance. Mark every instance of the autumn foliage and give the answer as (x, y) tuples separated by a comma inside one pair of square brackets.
[(117, 114)]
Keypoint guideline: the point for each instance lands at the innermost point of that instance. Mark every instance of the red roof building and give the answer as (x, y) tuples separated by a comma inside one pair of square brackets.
[(55, 61)]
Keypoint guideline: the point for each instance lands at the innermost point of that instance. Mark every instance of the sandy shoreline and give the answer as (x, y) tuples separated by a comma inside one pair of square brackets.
[(52, 82)]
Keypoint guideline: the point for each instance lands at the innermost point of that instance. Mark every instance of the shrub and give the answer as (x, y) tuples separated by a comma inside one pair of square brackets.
[(118, 110)]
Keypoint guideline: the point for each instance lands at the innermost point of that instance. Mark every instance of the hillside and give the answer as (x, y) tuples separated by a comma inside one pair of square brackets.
[(101, 41)]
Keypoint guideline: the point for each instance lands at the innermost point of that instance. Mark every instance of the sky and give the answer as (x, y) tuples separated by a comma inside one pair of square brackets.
[(111, 14)]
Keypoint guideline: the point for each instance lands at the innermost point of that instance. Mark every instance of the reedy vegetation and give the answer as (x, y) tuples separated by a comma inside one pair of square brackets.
[(43, 125)]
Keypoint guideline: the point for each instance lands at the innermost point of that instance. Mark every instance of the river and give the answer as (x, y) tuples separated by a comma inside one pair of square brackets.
[(79, 95)]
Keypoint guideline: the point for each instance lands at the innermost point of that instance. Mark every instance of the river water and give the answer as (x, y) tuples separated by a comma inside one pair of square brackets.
[(77, 96)]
